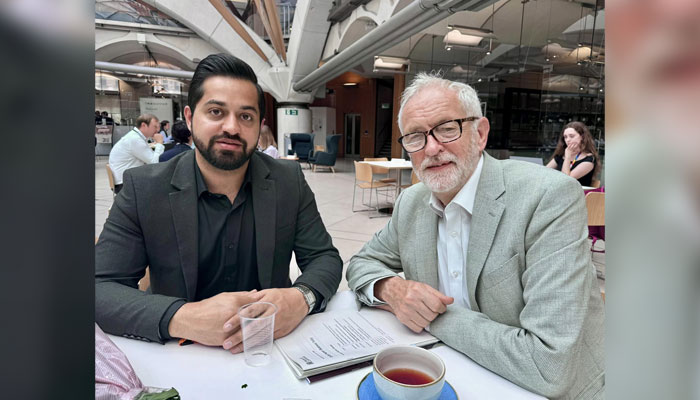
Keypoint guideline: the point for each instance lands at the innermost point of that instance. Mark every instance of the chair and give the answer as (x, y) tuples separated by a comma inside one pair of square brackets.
[(595, 204), (302, 144), (381, 170), (595, 183), (326, 158), (110, 176), (364, 180)]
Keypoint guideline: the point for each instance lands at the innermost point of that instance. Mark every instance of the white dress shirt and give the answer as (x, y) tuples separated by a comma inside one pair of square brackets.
[(454, 223), (272, 151), (131, 151)]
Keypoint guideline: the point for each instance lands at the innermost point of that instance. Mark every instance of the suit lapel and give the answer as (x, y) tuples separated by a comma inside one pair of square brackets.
[(485, 219), (425, 249), (183, 203), (265, 216)]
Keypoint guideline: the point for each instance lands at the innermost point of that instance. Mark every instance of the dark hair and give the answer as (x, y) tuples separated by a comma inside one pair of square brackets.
[(587, 143), (145, 119), (180, 132), (163, 123), (222, 65)]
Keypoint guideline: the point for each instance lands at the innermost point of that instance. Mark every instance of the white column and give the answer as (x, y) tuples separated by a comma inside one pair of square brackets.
[(291, 118)]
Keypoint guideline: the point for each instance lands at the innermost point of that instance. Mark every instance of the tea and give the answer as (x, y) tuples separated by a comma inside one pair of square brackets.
[(408, 376)]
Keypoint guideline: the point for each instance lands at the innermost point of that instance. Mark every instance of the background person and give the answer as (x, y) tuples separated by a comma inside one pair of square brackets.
[(576, 154), (267, 144), (164, 128), (133, 150), (182, 138), (108, 120)]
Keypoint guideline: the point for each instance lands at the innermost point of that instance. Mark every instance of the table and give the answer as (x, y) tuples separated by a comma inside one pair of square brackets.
[(396, 164), (201, 372), (291, 158)]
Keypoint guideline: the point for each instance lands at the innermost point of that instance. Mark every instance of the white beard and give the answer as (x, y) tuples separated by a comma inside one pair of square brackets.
[(454, 176)]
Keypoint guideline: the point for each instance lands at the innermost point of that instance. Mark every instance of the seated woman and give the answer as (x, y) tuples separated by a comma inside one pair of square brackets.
[(576, 154), (266, 143), (164, 126)]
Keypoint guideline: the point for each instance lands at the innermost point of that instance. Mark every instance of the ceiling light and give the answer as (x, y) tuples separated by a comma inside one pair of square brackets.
[(455, 37), (448, 48), (478, 80), (468, 30), (392, 64), (350, 84)]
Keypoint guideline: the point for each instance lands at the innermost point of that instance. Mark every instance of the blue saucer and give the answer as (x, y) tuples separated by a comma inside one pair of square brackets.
[(367, 391)]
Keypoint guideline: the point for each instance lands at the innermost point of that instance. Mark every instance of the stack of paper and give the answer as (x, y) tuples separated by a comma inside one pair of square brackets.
[(344, 336)]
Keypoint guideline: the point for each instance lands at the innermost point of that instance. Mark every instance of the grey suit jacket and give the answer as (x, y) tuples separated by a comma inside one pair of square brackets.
[(153, 222), (537, 316)]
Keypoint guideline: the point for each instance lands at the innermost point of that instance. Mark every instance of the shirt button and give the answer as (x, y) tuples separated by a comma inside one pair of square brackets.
[(230, 245), (455, 274), (453, 234)]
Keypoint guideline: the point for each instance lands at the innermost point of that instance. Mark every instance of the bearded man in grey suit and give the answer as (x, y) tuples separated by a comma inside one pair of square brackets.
[(495, 253)]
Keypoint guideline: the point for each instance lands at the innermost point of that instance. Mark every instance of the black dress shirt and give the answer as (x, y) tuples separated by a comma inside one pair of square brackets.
[(227, 260)]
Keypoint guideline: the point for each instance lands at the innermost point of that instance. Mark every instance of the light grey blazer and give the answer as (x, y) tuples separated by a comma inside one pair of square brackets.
[(537, 316)]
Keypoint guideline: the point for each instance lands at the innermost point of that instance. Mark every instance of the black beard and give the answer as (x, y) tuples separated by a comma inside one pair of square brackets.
[(223, 159)]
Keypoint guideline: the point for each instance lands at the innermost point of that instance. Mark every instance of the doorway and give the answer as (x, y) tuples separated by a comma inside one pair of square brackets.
[(352, 135)]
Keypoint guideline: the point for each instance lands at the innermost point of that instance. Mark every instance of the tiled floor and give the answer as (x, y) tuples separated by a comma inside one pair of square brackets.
[(350, 231)]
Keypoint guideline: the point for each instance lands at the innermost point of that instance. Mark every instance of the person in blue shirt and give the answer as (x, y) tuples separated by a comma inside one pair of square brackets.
[(164, 126), (183, 141)]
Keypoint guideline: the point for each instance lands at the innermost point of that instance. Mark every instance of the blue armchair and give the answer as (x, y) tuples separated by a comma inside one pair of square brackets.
[(326, 158), (302, 144)]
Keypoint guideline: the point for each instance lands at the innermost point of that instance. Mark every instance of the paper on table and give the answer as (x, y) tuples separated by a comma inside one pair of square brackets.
[(345, 335)]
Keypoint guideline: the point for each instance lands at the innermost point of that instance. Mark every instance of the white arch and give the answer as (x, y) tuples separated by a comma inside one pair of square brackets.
[(202, 18)]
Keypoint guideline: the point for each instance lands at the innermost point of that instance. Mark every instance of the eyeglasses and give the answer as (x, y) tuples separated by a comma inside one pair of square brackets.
[(445, 132)]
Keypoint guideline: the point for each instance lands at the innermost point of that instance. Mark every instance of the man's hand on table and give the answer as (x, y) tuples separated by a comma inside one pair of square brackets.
[(291, 310), (158, 138), (204, 321), (415, 304)]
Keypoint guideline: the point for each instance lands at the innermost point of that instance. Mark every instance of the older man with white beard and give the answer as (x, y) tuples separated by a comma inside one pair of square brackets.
[(495, 253)]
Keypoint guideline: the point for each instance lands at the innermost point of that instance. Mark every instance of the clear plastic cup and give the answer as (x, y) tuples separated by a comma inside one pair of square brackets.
[(258, 325)]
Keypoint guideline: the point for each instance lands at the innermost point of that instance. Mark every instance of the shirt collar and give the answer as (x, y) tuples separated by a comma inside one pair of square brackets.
[(465, 197), (202, 186), (140, 134)]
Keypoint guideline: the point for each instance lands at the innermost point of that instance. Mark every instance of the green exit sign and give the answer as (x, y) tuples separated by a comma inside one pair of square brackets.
[(291, 112)]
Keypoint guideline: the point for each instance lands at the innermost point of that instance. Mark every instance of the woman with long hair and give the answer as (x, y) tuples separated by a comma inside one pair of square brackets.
[(266, 142), (164, 126), (576, 154)]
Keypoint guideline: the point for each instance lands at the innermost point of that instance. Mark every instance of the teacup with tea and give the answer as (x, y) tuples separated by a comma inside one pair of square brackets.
[(408, 373)]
